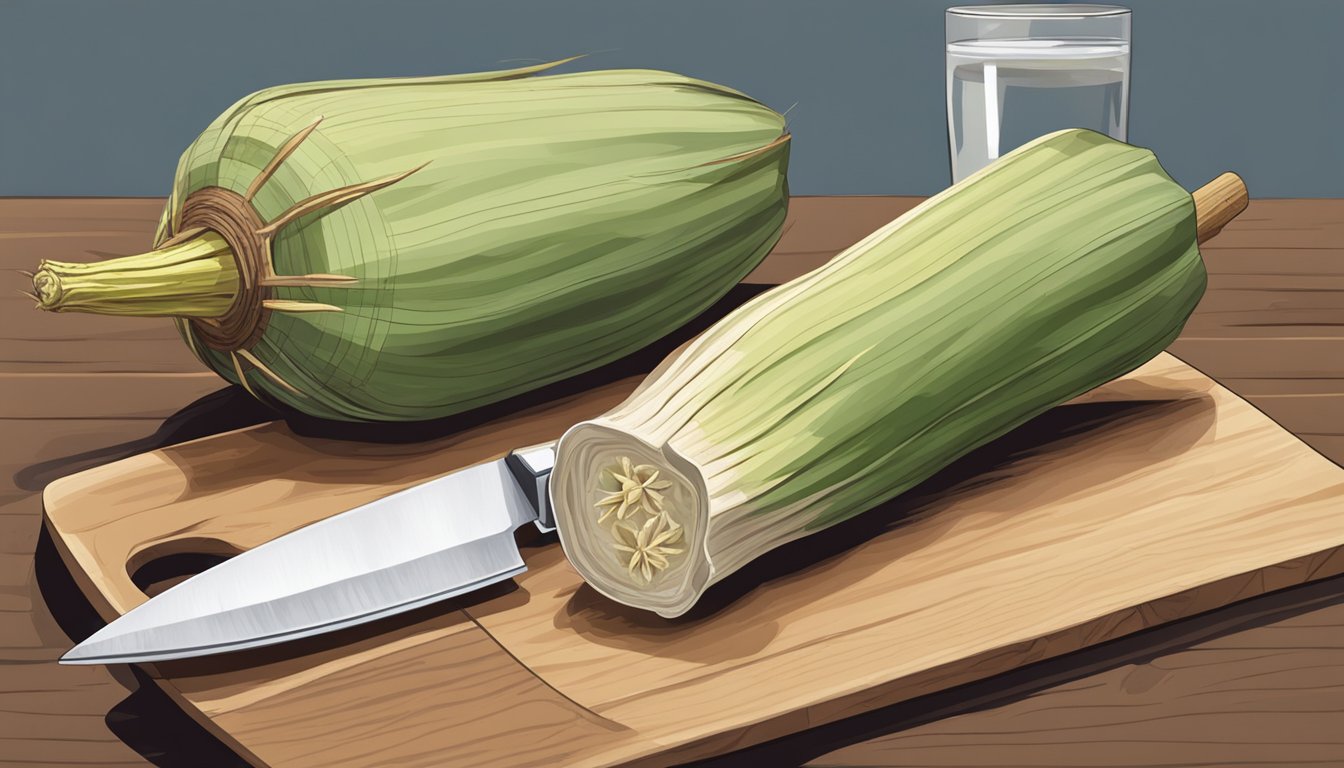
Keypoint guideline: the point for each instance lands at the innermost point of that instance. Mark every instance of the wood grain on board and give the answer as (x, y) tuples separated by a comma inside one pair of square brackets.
[(1156, 497), (1302, 240), (1243, 699)]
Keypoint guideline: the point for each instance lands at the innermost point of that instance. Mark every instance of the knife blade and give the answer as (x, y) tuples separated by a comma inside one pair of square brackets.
[(427, 543)]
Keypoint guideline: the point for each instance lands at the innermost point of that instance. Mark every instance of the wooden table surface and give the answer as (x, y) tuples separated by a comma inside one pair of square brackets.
[(1257, 683)]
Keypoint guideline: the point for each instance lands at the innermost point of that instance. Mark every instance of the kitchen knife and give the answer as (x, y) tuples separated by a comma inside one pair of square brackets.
[(436, 540)]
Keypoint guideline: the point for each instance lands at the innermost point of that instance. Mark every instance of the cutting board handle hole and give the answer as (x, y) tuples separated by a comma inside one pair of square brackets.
[(162, 565)]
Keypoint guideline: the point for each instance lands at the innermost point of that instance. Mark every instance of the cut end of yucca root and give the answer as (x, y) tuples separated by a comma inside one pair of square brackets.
[(631, 518), (47, 288)]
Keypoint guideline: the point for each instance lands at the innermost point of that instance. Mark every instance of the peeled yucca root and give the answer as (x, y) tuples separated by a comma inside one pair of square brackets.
[(406, 249), (1068, 262)]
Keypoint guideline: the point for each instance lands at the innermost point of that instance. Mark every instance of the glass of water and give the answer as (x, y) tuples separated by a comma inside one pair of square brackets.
[(1016, 72)]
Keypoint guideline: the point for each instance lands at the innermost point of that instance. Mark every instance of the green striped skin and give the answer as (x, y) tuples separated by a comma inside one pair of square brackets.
[(1067, 263), (562, 222), (1066, 266), (1062, 267)]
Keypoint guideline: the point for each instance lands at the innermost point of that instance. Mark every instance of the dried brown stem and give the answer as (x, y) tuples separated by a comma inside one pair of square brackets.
[(272, 375), (751, 152), (281, 155), (181, 237), (242, 377), (309, 281), (288, 305), (332, 198)]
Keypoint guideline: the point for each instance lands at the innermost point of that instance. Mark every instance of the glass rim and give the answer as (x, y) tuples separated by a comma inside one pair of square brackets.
[(1038, 11)]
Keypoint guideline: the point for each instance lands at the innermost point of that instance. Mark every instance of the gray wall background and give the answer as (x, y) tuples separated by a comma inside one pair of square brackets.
[(99, 97)]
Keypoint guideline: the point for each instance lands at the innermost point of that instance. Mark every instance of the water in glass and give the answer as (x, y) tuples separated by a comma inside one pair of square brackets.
[(1004, 93)]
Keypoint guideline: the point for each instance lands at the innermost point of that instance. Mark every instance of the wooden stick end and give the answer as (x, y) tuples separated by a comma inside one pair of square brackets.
[(1217, 203)]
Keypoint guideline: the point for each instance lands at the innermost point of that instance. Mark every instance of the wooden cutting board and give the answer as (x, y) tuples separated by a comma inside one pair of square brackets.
[(1153, 498)]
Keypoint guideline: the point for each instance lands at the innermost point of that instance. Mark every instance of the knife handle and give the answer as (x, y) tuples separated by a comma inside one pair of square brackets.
[(531, 468)]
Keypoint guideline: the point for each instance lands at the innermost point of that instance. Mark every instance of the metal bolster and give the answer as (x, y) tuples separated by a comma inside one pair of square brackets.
[(531, 468)]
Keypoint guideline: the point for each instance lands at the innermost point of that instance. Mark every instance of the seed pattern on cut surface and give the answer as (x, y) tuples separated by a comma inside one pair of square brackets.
[(639, 488), (642, 527), (648, 546)]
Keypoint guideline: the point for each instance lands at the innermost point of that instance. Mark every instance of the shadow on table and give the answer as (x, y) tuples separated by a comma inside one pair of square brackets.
[(232, 408), (224, 410), (149, 722)]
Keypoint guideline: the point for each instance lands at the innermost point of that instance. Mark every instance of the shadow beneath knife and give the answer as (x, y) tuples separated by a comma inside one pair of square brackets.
[(270, 662), (148, 720), (158, 727)]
